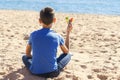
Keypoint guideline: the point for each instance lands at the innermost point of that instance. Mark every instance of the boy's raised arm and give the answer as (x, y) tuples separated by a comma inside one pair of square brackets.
[(65, 48), (69, 28)]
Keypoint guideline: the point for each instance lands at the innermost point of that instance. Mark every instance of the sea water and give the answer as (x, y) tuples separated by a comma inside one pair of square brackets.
[(111, 7)]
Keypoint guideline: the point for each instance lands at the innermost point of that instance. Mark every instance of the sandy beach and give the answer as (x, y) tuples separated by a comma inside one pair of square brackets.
[(94, 43)]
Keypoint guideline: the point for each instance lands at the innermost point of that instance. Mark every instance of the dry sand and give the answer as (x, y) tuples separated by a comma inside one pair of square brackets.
[(95, 44)]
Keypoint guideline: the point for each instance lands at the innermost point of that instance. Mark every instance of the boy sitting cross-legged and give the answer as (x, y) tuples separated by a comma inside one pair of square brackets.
[(44, 43)]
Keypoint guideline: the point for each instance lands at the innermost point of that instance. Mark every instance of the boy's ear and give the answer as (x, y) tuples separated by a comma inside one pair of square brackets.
[(54, 20), (40, 21)]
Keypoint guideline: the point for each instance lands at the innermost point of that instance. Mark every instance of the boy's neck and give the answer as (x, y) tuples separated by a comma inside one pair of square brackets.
[(47, 26)]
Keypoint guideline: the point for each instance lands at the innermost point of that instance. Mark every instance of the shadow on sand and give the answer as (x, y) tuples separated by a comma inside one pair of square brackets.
[(22, 74)]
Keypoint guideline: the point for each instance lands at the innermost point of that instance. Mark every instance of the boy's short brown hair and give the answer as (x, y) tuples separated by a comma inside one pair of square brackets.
[(47, 15)]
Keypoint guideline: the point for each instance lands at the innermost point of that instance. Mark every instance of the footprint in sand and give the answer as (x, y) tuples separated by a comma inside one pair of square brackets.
[(2, 72), (8, 30), (81, 52), (83, 66), (102, 77), (80, 45), (68, 75), (75, 78), (73, 38), (76, 60), (109, 58), (104, 51), (98, 34), (106, 45), (112, 35), (12, 36), (89, 76), (96, 70)]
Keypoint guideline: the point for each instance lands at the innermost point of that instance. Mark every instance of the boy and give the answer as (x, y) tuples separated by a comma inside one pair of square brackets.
[(44, 44)]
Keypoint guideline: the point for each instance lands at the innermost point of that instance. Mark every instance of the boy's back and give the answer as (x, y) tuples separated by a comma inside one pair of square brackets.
[(44, 43)]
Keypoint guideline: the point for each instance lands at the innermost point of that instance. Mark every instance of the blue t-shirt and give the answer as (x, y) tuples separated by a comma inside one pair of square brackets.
[(44, 44)]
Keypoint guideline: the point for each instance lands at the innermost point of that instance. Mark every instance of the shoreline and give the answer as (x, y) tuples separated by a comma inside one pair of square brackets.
[(94, 43), (62, 12)]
